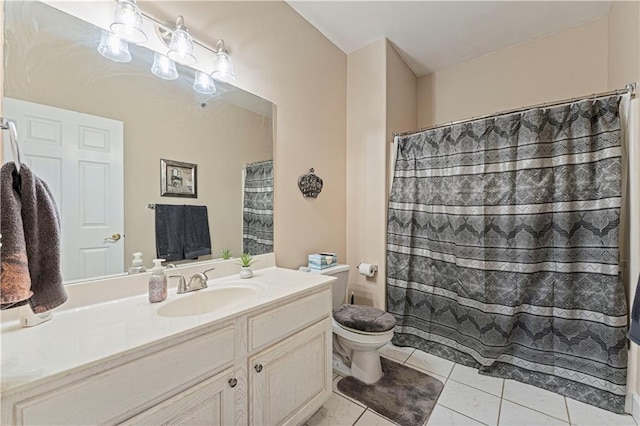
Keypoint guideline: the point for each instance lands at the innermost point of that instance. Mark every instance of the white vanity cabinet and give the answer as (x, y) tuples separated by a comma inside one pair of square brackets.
[(291, 378), (112, 391), (288, 382), (211, 403), (268, 365)]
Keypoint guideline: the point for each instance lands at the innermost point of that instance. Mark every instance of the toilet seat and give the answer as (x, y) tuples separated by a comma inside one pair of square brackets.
[(364, 318), (358, 336)]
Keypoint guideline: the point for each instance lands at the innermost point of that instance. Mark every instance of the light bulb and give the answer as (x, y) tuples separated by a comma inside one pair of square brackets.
[(223, 68), (113, 47), (164, 67), (127, 22), (203, 83), (181, 46)]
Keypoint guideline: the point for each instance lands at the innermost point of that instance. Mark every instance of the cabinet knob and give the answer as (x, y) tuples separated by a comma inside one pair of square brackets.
[(258, 367), (233, 382)]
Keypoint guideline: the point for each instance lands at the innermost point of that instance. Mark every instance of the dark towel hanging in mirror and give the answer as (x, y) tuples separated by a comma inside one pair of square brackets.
[(182, 232)]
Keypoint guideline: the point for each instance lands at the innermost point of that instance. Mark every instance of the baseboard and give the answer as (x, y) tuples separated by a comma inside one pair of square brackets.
[(635, 408)]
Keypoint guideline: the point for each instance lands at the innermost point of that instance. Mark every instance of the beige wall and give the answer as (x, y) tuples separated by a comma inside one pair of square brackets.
[(381, 98), (623, 43), (570, 62), (280, 57), (366, 156), (401, 99)]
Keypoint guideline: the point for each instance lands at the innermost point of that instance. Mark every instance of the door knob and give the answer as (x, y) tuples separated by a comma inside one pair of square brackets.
[(114, 237), (233, 382), (258, 367)]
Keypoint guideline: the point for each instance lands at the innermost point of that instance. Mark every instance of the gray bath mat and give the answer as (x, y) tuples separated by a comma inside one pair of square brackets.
[(403, 394)]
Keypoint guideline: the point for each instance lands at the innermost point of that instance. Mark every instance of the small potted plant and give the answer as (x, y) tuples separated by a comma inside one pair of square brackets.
[(245, 261), (226, 254)]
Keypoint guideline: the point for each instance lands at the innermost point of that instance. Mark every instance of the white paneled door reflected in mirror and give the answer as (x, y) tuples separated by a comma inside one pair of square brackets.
[(95, 131)]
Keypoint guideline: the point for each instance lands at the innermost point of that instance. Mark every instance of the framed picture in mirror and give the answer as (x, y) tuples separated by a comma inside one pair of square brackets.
[(178, 179)]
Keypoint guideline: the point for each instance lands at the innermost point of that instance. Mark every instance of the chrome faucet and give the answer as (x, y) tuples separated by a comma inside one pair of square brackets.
[(197, 281)]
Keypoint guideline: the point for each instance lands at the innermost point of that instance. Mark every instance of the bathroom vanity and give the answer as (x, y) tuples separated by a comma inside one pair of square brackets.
[(263, 358)]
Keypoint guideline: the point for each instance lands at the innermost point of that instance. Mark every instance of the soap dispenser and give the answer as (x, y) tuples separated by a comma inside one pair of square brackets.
[(157, 282), (136, 264)]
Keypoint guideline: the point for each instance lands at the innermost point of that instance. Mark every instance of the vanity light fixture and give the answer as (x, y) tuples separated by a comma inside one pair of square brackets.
[(127, 22), (203, 83), (163, 67), (113, 47), (127, 26), (223, 68), (181, 46)]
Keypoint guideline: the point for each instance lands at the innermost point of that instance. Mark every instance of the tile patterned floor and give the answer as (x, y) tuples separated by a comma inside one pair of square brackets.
[(469, 398)]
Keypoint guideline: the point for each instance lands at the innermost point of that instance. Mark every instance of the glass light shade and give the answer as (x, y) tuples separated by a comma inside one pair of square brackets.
[(164, 67), (127, 22), (181, 47), (113, 47), (223, 70), (204, 84)]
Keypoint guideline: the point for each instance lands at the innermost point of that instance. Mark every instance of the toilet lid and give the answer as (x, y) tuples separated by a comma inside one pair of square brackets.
[(364, 318)]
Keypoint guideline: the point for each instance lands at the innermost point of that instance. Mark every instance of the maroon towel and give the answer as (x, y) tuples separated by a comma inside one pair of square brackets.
[(41, 227), (15, 283)]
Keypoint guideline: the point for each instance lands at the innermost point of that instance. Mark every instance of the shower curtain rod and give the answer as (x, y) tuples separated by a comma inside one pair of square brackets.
[(629, 88), (257, 162)]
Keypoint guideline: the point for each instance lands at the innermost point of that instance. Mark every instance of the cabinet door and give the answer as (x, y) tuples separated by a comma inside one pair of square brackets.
[(211, 402), (292, 379)]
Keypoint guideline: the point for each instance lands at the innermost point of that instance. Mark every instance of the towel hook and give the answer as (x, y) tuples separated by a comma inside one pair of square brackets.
[(10, 125)]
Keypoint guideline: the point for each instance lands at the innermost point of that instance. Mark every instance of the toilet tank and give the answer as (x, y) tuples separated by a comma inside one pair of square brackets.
[(339, 289)]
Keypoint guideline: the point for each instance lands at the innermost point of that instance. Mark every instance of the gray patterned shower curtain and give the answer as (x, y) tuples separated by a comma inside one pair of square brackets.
[(503, 248), (257, 210)]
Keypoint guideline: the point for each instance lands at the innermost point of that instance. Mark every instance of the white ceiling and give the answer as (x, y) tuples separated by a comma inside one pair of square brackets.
[(433, 35)]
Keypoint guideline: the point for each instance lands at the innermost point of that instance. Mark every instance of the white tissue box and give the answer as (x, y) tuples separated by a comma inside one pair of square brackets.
[(322, 260)]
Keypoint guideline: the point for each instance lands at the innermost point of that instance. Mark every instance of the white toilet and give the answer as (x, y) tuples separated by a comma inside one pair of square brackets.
[(351, 343)]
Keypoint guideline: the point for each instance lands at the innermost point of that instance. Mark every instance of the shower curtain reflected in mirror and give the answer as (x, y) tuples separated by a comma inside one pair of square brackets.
[(503, 248), (257, 210)]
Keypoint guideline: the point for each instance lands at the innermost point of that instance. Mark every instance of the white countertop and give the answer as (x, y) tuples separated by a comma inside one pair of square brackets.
[(79, 337)]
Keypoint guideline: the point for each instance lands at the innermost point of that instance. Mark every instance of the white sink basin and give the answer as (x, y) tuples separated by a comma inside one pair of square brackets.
[(218, 296)]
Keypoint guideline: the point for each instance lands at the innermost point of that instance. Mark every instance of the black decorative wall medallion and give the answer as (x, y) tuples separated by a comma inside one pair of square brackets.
[(310, 184)]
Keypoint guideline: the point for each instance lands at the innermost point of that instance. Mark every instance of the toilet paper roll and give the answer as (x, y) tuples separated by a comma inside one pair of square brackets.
[(367, 269)]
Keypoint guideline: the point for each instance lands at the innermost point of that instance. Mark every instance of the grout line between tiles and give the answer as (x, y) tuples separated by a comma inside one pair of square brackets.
[(353, 401), (451, 371), (462, 414), (566, 407), (501, 402), (537, 411), (380, 415), (481, 390), (361, 414)]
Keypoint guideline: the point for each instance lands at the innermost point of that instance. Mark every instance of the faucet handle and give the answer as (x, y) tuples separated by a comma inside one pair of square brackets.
[(198, 281), (208, 270), (182, 285)]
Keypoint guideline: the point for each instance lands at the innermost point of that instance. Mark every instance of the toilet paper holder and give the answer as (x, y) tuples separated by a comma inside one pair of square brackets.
[(367, 269)]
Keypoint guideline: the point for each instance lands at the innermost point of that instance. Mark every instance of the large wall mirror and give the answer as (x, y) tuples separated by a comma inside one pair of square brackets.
[(96, 131)]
